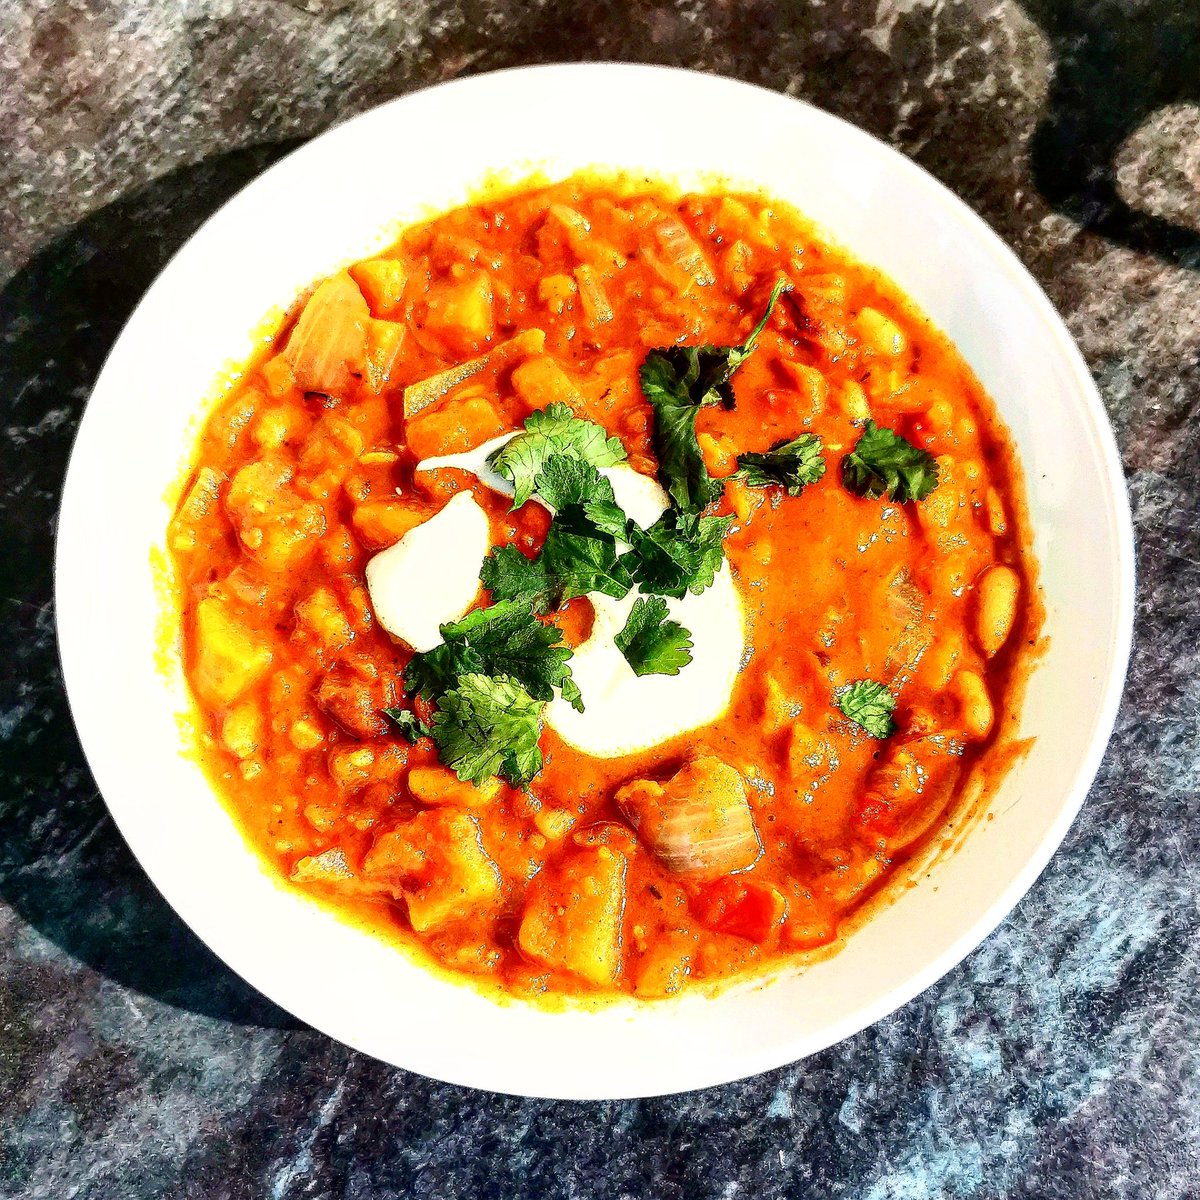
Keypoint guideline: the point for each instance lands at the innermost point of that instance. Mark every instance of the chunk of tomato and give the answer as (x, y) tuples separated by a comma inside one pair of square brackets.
[(741, 907)]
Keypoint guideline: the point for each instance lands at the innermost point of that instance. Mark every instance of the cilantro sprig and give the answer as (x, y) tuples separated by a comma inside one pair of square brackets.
[(553, 431), (490, 678), (884, 463), (505, 639), (678, 381), (680, 553), (791, 464), (870, 706), (652, 643), (487, 726), (408, 723)]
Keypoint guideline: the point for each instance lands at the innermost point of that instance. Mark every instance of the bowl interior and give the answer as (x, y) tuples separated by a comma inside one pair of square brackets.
[(344, 196)]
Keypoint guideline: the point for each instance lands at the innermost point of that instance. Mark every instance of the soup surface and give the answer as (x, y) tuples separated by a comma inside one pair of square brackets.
[(754, 622)]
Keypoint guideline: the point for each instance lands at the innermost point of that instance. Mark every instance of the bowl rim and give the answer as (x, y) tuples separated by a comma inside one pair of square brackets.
[(949, 207)]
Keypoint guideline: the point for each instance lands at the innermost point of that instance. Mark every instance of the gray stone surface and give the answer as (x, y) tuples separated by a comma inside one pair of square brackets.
[(1060, 1060)]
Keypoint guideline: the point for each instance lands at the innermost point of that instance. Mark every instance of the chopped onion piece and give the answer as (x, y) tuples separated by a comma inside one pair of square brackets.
[(698, 823)]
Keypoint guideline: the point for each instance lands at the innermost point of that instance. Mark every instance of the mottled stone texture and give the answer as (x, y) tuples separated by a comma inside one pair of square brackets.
[(1060, 1060)]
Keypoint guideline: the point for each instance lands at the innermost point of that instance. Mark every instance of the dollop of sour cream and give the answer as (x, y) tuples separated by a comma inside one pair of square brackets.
[(431, 575), (623, 712)]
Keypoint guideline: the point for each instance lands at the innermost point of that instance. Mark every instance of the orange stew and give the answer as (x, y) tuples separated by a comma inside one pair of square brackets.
[(721, 850)]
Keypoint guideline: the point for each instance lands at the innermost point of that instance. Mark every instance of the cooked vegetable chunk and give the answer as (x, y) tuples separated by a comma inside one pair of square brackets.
[(698, 822), (229, 659), (573, 915), (274, 523), (327, 347), (438, 863)]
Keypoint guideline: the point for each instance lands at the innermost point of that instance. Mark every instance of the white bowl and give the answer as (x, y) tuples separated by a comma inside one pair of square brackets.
[(341, 197)]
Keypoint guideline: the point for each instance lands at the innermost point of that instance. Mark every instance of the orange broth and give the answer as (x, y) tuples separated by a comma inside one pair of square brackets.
[(306, 471)]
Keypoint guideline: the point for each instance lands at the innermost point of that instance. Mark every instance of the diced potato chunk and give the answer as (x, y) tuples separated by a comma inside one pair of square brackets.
[(351, 767), (436, 785), (437, 861), (381, 281), (384, 341), (996, 610), (197, 505), (881, 333), (459, 314), (554, 823), (381, 523), (574, 912), (229, 658), (241, 731), (327, 867), (274, 524), (541, 382), (321, 614), (666, 965), (456, 426), (327, 346), (976, 713)]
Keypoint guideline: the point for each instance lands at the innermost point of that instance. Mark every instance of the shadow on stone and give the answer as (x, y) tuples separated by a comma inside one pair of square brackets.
[(63, 866), (1115, 65)]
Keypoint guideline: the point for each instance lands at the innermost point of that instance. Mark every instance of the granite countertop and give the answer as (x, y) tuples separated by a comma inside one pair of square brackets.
[(1061, 1059)]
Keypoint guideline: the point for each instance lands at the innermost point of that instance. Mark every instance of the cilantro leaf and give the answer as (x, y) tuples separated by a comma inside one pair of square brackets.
[(485, 727), (885, 463), (678, 381), (681, 552), (509, 575), (791, 465), (434, 672), (652, 644), (564, 481), (410, 725), (503, 640), (869, 705), (553, 430), (579, 557), (608, 517)]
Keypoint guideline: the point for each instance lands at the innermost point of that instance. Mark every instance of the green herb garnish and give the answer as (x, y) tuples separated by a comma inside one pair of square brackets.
[(869, 705), (555, 430), (884, 463), (681, 552), (791, 465), (678, 381), (488, 726), (510, 575), (651, 643), (410, 725), (503, 640)]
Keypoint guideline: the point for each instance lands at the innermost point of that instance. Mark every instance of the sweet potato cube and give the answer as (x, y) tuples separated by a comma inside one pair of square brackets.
[(458, 425), (229, 658), (459, 313), (322, 616), (381, 281), (438, 863), (437, 785), (573, 915), (541, 381)]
